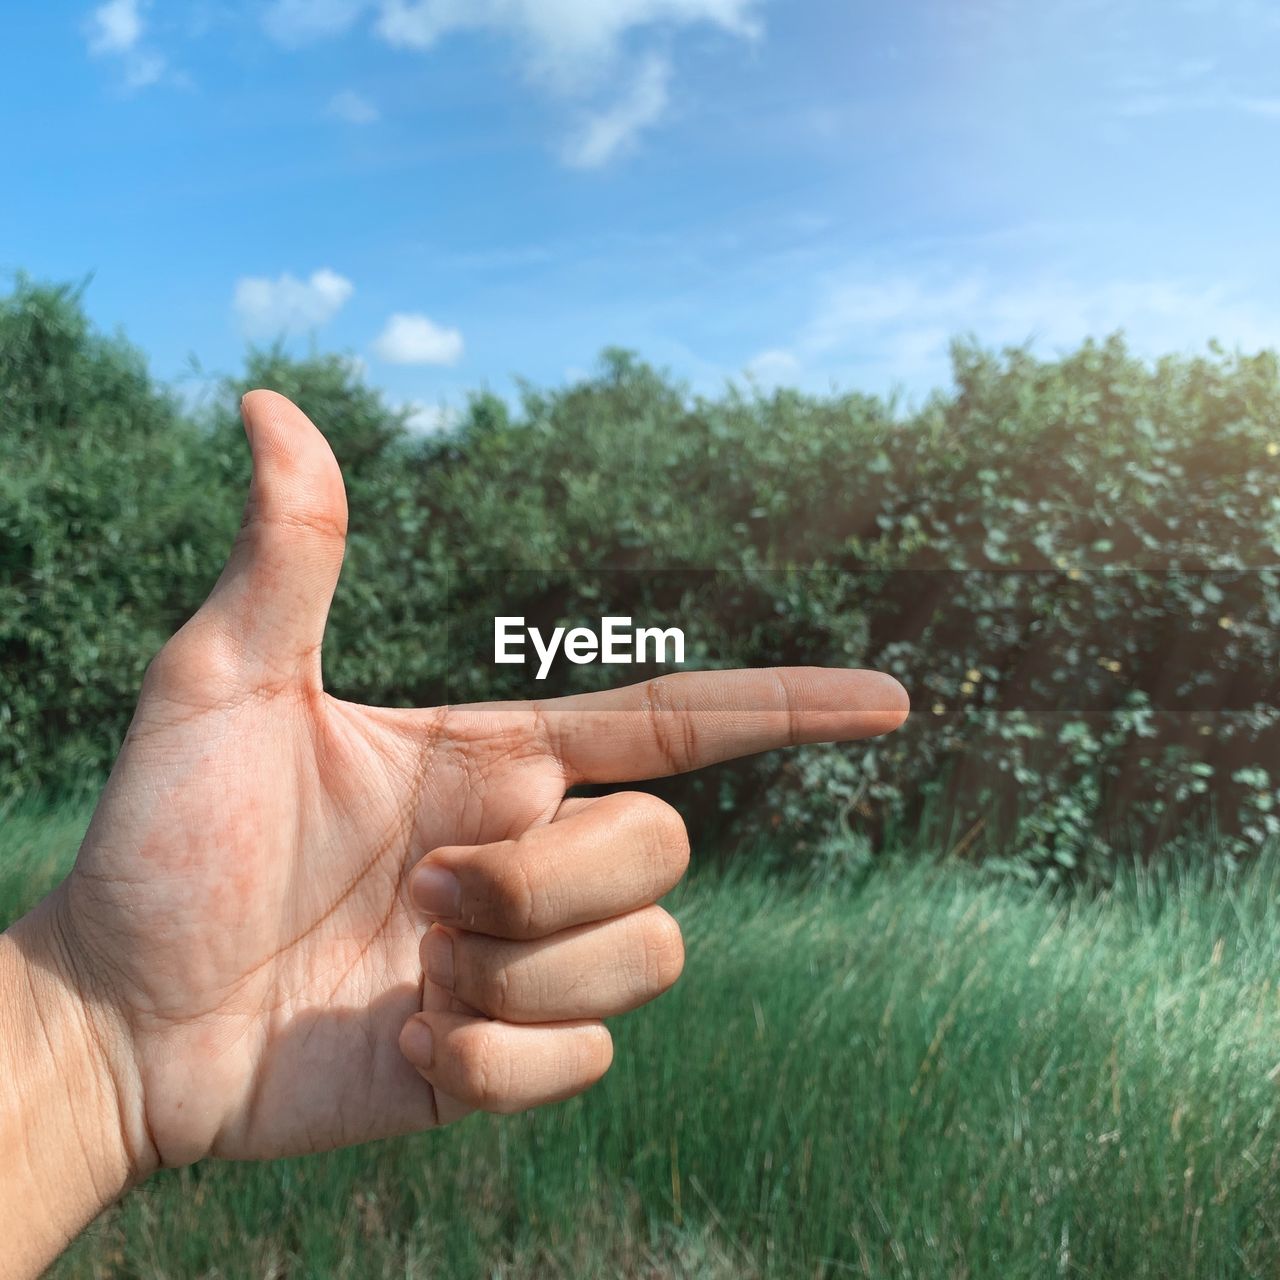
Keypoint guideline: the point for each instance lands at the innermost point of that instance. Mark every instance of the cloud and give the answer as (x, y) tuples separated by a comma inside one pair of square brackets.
[(774, 366), (296, 22), (114, 27), (567, 40), (267, 308), (607, 133), (1164, 101), (875, 329), (573, 48), (142, 70), (416, 339), (1267, 107), (115, 31), (426, 419), (350, 107)]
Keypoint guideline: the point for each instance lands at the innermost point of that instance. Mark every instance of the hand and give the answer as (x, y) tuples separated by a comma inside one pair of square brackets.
[(245, 929)]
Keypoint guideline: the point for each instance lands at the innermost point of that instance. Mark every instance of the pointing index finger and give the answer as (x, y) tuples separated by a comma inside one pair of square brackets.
[(679, 722)]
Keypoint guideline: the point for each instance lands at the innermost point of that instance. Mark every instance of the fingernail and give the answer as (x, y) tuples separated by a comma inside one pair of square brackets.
[(438, 954), (436, 891), (416, 1043)]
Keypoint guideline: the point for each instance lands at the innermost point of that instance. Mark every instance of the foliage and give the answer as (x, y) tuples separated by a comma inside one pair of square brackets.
[(110, 521), (1070, 564)]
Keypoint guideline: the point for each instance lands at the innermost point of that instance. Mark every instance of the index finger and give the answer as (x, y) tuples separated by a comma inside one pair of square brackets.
[(679, 722)]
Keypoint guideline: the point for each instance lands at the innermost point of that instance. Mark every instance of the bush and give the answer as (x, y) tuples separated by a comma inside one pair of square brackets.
[(112, 518), (1065, 562), (1069, 563)]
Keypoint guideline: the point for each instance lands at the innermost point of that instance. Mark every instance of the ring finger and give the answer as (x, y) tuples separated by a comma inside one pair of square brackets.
[(592, 971)]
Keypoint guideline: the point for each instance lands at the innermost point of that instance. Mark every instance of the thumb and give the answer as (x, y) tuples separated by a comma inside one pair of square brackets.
[(273, 597)]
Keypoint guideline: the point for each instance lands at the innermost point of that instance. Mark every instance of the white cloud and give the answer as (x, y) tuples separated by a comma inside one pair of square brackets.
[(573, 48), (295, 22), (267, 308), (143, 69), (774, 366), (1268, 107), (874, 329), (426, 419), (567, 40), (1165, 102), (115, 30), (416, 339), (611, 130), (114, 27), (350, 107)]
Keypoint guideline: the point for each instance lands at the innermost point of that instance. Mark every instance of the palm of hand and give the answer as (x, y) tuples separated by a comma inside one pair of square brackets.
[(256, 890)]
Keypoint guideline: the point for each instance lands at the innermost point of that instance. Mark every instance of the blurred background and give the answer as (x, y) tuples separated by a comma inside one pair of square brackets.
[(933, 337)]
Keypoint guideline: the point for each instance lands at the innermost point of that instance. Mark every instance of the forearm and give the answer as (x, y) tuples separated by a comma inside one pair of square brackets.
[(64, 1154)]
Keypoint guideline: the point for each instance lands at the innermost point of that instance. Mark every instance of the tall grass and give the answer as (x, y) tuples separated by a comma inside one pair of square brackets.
[(933, 1074)]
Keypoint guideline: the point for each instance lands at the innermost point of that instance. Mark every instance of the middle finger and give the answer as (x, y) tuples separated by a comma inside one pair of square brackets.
[(611, 856)]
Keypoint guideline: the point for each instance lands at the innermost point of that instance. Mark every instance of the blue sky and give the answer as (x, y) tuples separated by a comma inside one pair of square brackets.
[(817, 192)]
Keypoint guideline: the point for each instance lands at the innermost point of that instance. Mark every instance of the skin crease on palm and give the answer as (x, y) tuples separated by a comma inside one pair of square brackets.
[(239, 923)]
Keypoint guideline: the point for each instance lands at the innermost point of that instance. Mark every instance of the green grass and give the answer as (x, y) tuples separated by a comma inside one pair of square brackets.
[(933, 1074)]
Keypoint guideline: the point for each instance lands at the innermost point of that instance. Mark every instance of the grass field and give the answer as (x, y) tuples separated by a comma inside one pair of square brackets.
[(932, 1074)]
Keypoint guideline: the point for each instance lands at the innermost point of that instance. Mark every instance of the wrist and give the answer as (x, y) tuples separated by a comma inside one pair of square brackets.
[(72, 1125)]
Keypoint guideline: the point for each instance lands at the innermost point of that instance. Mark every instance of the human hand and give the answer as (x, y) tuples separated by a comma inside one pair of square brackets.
[(243, 926)]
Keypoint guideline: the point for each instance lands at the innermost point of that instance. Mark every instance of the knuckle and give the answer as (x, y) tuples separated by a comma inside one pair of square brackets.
[(664, 833), (506, 894), (508, 1106), (195, 660), (498, 997), (676, 850), (674, 735), (663, 951), (162, 674), (597, 1054), (302, 523), (522, 908), (480, 1070)]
